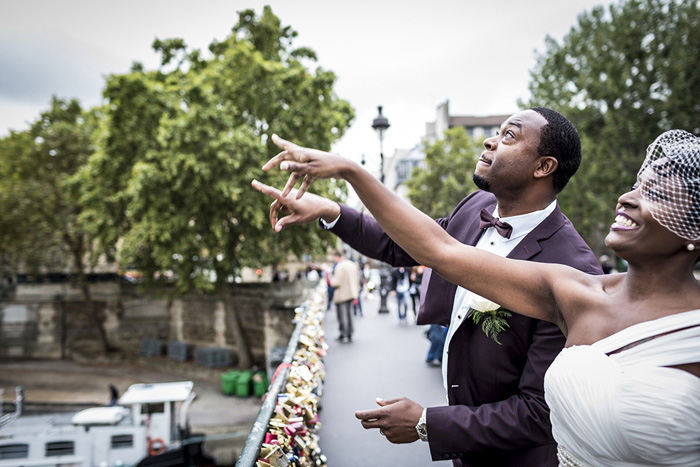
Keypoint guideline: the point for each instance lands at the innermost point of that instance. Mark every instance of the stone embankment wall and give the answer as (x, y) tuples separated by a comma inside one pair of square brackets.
[(53, 320)]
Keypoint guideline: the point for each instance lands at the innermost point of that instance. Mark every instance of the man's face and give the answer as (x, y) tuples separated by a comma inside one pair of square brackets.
[(508, 163)]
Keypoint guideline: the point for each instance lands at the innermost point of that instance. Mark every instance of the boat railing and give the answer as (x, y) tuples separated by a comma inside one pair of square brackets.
[(286, 425)]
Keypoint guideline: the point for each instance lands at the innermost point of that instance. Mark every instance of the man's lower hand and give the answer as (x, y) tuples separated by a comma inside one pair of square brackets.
[(396, 419)]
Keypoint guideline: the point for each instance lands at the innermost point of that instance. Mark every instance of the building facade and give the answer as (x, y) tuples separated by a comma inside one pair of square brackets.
[(403, 161)]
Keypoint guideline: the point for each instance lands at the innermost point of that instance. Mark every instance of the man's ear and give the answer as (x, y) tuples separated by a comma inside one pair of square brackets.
[(545, 167)]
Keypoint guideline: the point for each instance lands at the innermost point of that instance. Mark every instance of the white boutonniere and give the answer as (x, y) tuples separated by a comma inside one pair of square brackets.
[(492, 316)]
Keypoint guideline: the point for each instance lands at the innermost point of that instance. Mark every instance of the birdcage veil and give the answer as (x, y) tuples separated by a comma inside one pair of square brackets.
[(670, 180)]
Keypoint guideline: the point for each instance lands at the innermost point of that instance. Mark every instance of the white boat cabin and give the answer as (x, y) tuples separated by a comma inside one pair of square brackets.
[(146, 422)]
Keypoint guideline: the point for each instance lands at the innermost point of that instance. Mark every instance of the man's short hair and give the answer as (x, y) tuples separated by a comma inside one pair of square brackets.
[(560, 140), (338, 253)]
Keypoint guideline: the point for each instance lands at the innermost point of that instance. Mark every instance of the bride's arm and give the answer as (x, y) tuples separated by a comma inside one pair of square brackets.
[(533, 289)]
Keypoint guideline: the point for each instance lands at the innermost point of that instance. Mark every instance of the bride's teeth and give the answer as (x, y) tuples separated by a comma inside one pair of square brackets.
[(622, 220)]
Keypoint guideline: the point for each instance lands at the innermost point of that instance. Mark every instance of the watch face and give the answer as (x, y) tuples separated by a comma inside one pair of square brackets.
[(422, 432)]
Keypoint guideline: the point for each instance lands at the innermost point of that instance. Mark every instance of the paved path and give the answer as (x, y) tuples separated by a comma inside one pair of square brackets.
[(384, 360)]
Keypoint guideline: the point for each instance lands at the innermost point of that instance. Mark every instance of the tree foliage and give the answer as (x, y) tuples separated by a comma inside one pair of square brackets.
[(178, 148), (40, 197), (446, 178), (158, 178), (623, 75)]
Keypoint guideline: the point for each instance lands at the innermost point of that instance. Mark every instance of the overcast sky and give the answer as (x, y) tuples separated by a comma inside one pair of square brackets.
[(407, 55)]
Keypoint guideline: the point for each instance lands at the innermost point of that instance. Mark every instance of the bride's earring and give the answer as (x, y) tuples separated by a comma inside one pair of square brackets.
[(690, 246)]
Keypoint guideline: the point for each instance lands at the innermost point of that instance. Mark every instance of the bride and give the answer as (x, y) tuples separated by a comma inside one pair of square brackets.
[(626, 388)]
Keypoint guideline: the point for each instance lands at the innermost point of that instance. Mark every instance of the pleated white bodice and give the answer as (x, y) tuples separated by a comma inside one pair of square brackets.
[(629, 408)]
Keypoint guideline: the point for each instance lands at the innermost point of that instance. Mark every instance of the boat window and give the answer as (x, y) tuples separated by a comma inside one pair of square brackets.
[(59, 448), (122, 441), (152, 408), (14, 451)]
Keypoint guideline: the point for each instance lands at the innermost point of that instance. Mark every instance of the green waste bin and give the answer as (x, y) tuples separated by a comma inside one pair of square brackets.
[(228, 382), (260, 383), (243, 383)]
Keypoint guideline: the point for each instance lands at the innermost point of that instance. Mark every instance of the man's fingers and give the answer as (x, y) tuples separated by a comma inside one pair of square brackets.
[(296, 167), (384, 402), (267, 189), (275, 161), (368, 414), (287, 147), (275, 212), (291, 181), (367, 424), (285, 221), (280, 142), (305, 184)]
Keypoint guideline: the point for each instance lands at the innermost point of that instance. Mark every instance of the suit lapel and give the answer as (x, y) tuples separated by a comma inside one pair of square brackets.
[(470, 235), (530, 245), (437, 306)]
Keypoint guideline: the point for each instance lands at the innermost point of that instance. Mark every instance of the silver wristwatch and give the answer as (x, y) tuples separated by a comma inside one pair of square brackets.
[(421, 428)]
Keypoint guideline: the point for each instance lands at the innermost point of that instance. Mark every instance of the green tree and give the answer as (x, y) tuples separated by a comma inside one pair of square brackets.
[(446, 178), (623, 75), (180, 145), (40, 197)]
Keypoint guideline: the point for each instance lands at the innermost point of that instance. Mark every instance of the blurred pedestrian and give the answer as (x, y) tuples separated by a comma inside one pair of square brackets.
[(113, 395), (436, 334), (327, 274), (357, 303), (347, 289), (606, 265), (400, 285), (416, 279)]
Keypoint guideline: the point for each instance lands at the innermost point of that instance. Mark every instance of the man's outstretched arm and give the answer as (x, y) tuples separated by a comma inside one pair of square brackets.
[(357, 229)]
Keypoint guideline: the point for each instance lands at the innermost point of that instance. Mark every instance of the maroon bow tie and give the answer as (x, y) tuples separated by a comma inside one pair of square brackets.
[(487, 220)]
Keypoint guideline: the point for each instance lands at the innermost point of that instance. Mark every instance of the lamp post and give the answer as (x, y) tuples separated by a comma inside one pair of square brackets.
[(380, 125)]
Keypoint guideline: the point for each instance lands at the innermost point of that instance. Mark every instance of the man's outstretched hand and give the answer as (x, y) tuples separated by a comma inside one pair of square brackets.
[(396, 419), (311, 163), (299, 211)]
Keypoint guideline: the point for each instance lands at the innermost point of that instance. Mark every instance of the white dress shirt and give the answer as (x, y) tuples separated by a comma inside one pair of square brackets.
[(492, 242)]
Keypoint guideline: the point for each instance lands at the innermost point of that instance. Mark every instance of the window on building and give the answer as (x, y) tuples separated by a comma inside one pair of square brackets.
[(122, 441), (14, 451), (152, 408), (60, 448), (404, 169)]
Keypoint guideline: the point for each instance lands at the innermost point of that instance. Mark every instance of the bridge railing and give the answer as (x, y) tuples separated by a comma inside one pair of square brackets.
[(286, 428)]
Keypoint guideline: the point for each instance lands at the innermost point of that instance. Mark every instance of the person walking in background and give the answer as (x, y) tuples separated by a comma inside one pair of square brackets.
[(113, 395), (400, 285), (416, 278), (607, 265), (357, 303), (367, 280), (347, 289), (327, 274), (504, 422), (436, 335)]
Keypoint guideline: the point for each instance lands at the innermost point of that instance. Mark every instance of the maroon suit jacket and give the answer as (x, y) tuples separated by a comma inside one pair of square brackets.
[(497, 414)]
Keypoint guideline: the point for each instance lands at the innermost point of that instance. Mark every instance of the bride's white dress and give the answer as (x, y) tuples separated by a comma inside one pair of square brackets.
[(613, 405)]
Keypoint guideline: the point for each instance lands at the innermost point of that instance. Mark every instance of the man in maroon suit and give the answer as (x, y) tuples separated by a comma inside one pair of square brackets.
[(497, 414)]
